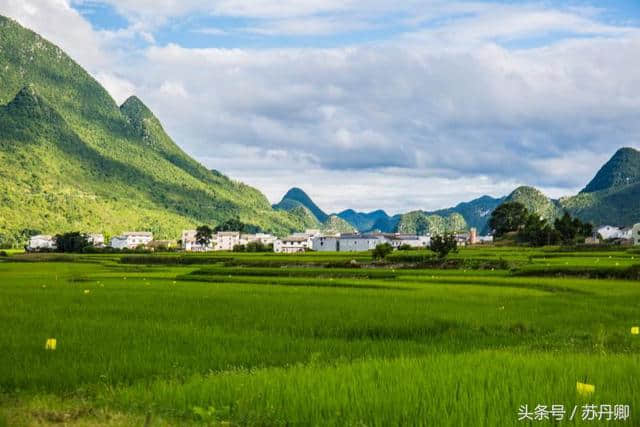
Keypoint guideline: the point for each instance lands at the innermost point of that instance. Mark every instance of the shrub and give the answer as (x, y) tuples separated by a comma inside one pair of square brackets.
[(382, 250), (442, 245)]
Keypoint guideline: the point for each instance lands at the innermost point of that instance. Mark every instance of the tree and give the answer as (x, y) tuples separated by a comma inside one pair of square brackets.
[(507, 217), (234, 224), (572, 228), (443, 244), (538, 232), (72, 242), (382, 250), (204, 233)]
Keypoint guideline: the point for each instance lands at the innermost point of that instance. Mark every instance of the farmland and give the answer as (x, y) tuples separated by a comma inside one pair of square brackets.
[(317, 339)]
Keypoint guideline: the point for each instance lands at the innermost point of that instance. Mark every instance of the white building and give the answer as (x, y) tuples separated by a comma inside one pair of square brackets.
[(413, 240), (96, 239), (636, 234), (293, 244), (226, 240), (360, 242), (485, 239), (41, 242), (190, 244), (265, 239), (325, 243), (626, 233), (131, 240), (609, 232)]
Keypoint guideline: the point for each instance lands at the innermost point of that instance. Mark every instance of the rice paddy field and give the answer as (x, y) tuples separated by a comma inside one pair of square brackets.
[(490, 337)]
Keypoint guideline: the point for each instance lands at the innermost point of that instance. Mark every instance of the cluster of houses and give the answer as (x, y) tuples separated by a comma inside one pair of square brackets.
[(224, 240), (623, 234), (127, 240), (310, 240)]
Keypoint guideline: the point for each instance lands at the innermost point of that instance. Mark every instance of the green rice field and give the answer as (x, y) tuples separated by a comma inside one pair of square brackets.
[(320, 339)]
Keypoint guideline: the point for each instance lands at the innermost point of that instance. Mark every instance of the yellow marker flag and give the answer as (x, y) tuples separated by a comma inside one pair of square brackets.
[(51, 344), (635, 330), (585, 389)]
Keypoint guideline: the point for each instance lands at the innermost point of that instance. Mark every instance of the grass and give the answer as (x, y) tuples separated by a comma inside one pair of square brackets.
[(168, 344)]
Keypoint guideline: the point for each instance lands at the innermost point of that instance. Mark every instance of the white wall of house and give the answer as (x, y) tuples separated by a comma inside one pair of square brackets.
[(41, 242), (360, 243), (226, 240), (636, 234), (96, 239), (609, 232), (131, 240), (409, 239), (325, 244), (292, 245)]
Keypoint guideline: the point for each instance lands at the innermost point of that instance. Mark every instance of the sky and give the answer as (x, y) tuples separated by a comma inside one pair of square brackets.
[(371, 104)]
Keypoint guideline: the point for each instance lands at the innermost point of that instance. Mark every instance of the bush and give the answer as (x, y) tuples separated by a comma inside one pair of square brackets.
[(72, 242), (382, 250), (404, 247), (442, 245)]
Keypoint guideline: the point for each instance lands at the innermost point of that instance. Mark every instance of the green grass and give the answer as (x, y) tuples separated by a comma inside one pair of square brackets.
[(311, 345)]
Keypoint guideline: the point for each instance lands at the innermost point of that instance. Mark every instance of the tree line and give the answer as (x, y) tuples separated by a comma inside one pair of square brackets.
[(513, 217)]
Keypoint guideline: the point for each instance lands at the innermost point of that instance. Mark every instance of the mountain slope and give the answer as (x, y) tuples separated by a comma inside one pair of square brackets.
[(421, 223), (297, 197), (364, 221), (71, 159), (476, 213), (622, 169), (535, 202), (338, 225)]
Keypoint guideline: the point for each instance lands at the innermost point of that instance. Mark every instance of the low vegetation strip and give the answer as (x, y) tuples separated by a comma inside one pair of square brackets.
[(324, 282), (298, 272), (604, 272)]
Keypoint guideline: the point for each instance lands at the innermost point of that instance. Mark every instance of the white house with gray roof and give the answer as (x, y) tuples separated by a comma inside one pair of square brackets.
[(131, 240)]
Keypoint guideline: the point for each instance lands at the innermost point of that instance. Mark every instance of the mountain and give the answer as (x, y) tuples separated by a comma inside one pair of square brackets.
[(72, 159), (536, 202), (364, 221), (338, 225), (621, 170), (476, 213), (296, 197), (613, 195), (387, 225), (421, 223)]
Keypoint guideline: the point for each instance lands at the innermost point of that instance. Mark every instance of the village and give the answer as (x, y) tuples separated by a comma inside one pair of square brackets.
[(309, 240)]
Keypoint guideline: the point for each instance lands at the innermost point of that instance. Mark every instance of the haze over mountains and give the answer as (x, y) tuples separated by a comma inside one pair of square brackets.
[(612, 197)]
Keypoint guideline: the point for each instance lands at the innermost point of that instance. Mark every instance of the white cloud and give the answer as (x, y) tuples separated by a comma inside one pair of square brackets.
[(425, 120)]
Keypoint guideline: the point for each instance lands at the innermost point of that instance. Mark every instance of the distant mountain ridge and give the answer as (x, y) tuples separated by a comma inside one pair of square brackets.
[(612, 197)]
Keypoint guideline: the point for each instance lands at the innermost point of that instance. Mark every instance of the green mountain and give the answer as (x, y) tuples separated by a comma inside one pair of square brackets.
[(296, 197), (336, 224), (71, 159), (476, 213), (365, 221), (621, 170), (536, 202), (421, 223), (612, 197)]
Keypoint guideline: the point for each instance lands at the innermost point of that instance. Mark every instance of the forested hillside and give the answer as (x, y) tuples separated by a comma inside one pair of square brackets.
[(72, 159)]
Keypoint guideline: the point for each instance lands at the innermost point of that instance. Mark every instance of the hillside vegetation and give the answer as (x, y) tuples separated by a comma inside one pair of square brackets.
[(71, 159)]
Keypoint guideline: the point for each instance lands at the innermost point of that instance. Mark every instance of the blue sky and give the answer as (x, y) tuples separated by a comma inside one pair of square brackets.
[(370, 104), (232, 30)]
